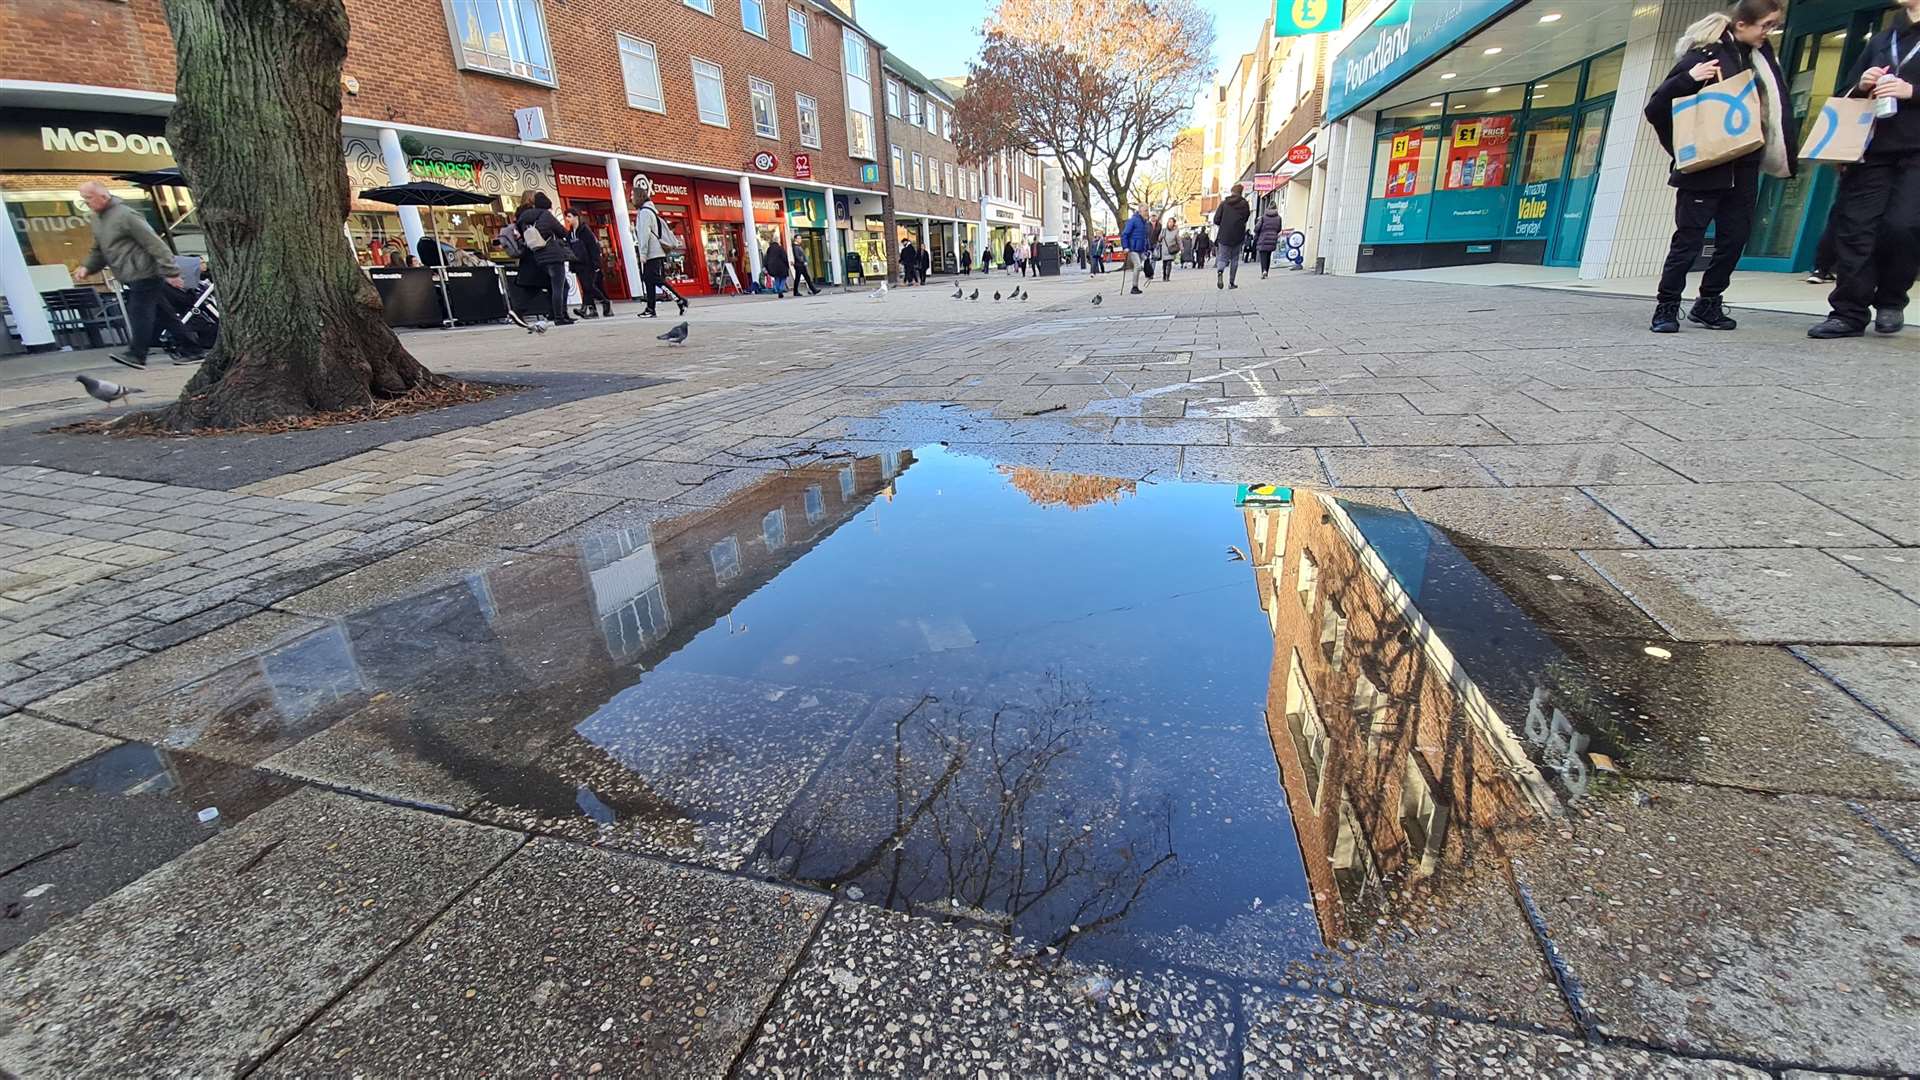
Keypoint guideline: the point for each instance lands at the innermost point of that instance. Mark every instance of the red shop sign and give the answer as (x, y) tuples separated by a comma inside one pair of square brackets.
[(1300, 155), (765, 161), (580, 181), (803, 166)]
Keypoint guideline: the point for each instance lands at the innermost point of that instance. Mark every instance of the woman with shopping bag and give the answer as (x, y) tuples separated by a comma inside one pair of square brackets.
[(1728, 136), (1876, 214)]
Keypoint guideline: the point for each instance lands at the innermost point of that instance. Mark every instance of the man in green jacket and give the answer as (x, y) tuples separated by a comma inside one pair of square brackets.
[(126, 244)]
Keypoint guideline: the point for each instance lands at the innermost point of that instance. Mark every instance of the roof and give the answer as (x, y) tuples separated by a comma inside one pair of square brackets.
[(912, 74)]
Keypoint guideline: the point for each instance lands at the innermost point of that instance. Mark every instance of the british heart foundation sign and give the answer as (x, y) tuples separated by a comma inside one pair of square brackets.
[(803, 166)]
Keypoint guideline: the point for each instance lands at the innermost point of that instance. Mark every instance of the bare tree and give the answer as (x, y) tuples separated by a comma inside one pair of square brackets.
[(257, 129), (1101, 85), (1166, 182)]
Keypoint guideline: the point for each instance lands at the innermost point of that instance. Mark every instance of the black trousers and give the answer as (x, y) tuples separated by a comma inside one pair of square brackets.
[(1266, 260), (1828, 250), (1876, 237), (1730, 212), (801, 277), (149, 309), (1166, 269), (557, 291), (653, 279), (593, 289)]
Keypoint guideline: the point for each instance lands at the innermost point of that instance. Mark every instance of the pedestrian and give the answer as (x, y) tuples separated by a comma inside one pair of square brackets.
[(547, 248), (1230, 223), (908, 265), (1202, 247), (966, 262), (1186, 247), (1267, 237), (1010, 257), (986, 259), (1169, 249), (1876, 234), (124, 243), (1826, 252), (774, 262), (1718, 47), (586, 267), (1135, 241), (654, 244), (802, 273)]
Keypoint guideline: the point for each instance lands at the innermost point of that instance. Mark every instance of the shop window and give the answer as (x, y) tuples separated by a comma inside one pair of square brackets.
[(1476, 153), (640, 67), (797, 33), (1603, 74), (809, 113), (773, 529), (1557, 91), (1544, 148), (766, 118), (703, 6), (893, 98), (899, 169), (752, 18), (505, 37), (919, 173), (725, 557), (710, 92)]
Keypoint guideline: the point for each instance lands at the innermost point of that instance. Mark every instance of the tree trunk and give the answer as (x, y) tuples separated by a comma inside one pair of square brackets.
[(256, 129)]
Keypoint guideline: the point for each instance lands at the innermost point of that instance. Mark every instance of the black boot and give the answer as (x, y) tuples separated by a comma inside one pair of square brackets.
[(606, 309), (1710, 313), (1666, 317), (1835, 327), (1889, 320)]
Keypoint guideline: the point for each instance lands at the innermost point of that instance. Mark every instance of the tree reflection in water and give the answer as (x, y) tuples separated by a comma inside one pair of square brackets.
[(1009, 807)]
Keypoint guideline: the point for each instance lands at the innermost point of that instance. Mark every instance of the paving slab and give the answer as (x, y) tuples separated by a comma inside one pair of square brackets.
[(1789, 596), (1251, 465), (1888, 507), (1131, 462), (1730, 515), (83, 834), (571, 959), (1467, 1050), (1775, 459), (1543, 426), (1428, 431), (396, 577), (1716, 425), (534, 521), (1586, 463), (1295, 1035), (1887, 680), (1897, 569), (109, 699), (1170, 432), (1295, 431), (1241, 408), (1715, 921), (884, 993), (1892, 457), (1532, 517), (205, 965), (1395, 467), (32, 749)]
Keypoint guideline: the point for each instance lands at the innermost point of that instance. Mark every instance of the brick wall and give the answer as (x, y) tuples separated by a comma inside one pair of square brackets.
[(912, 139), (402, 57)]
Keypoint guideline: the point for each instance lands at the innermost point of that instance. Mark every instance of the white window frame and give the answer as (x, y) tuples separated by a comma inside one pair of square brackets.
[(773, 528), (814, 503), (916, 114), (720, 76), (704, 7), (946, 125), (948, 166), (759, 90), (919, 172), (856, 67), (933, 117), (893, 98), (724, 556), (524, 68), (629, 46), (899, 167), (846, 485), (805, 105), (799, 32), (933, 176), (759, 8)]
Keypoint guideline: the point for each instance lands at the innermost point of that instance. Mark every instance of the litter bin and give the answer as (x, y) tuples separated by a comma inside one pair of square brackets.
[(1047, 256)]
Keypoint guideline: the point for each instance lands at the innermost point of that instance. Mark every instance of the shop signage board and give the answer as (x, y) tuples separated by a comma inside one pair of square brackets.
[(1266, 182), (1533, 209), (1397, 221), (806, 209), (765, 161), (1300, 155), (870, 173), (803, 166), (53, 140), (1399, 42), (1292, 18), (451, 173), (580, 181)]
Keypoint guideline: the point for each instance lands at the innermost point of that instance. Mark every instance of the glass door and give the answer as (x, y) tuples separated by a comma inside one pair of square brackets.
[(1784, 203), (1583, 171)]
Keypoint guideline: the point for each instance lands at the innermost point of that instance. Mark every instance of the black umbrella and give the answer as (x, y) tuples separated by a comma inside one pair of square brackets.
[(167, 177), (429, 194)]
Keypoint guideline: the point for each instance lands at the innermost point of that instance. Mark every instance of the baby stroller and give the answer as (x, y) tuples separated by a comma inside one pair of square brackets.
[(197, 308)]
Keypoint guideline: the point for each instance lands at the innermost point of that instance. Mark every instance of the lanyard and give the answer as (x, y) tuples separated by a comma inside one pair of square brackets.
[(1894, 52)]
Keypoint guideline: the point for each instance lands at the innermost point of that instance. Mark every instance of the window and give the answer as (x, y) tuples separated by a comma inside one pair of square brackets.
[(1333, 634), (893, 98), (889, 465), (710, 91), (1308, 734), (933, 176), (766, 119), (640, 66), (846, 485), (919, 173), (701, 5), (933, 118), (816, 505), (1026, 202), (1308, 582), (950, 178), (505, 37), (773, 529), (725, 557), (899, 169), (1369, 706), (946, 125), (1403, 157), (1476, 153), (854, 61), (1026, 164), (753, 18), (809, 111), (1422, 817), (797, 32), (913, 108)]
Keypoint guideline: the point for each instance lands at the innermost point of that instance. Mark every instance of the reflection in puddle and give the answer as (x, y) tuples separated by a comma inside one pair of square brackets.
[(1026, 699)]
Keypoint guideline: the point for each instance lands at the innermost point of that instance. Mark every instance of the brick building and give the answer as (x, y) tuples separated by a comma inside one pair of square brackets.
[(936, 197), (1395, 766), (754, 118)]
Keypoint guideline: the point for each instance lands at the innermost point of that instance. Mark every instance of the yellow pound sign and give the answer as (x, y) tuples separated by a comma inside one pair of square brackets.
[(1467, 135), (1309, 14)]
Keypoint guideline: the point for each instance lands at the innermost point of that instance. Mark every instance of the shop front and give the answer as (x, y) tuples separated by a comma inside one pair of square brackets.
[(724, 262), (584, 191), (807, 225), (673, 200), (467, 232)]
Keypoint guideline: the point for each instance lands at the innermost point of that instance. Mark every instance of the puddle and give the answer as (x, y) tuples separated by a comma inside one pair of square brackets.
[(1151, 723)]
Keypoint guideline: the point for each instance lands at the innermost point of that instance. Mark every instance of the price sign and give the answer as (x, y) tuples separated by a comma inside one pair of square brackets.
[(1467, 134), (1403, 144)]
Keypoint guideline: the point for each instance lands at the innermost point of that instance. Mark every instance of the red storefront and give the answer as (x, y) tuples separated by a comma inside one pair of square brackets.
[(583, 190), (722, 232)]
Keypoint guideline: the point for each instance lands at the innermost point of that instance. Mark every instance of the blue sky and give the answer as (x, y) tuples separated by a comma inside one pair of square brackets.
[(939, 38)]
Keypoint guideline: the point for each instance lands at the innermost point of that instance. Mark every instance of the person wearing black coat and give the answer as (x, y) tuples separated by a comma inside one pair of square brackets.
[(1715, 48), (1230, 233), (550, 258), (803, 274), (1875, 228), (586, 267), (774, 262)]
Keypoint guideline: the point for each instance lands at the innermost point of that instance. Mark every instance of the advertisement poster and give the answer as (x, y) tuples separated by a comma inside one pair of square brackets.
[(1478, 155), (1403, 163), (1530, 213)]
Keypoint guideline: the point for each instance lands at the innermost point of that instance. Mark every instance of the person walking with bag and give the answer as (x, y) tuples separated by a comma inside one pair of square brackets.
[(1267, 237), (586, 268), (546, 243), (124, 243), (653, 244), (1876, 214), (774, 262), (1715, 48), (1169, 249), (1136, 241)]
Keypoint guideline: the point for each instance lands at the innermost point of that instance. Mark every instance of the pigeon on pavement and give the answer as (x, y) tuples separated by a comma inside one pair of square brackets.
[(1096, 299), (675, 336), (958, 293), (102, 390), (996, 294), (975, 296), (879, 293)]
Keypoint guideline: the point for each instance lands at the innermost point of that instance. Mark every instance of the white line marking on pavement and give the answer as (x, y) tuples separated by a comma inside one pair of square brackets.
[(1157, 391)]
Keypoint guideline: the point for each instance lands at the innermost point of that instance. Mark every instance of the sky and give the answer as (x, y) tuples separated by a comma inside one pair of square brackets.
[(939, 38)]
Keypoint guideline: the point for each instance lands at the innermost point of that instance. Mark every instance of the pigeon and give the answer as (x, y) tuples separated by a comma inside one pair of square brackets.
[(1024, 297), (675, 336), (1096, 299), (539, 326), (1020, 292), (996, 294), (975, 296), (958, 293), (102, 390)]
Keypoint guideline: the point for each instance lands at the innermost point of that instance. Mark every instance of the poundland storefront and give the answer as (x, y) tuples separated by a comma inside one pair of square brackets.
[(1472, 131)]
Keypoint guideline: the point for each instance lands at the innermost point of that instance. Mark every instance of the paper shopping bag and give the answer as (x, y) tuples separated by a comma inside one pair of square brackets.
[(1718, 124), (1841, 131)]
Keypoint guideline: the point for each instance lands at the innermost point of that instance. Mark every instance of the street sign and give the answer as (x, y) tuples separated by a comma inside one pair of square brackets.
[(803, 166), (1300, 155), (869, 173), (1291, 18)]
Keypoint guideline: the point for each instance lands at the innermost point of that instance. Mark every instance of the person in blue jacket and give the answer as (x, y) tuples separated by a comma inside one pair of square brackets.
[(1135, 240)]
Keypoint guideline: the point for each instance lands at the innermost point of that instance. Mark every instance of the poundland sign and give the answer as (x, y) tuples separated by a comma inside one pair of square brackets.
[(57, 141), (1401, 40)]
